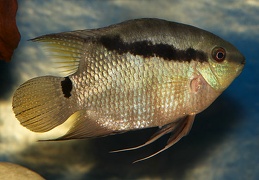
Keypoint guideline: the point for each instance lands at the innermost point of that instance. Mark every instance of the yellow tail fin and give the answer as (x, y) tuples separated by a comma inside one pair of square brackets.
[(43, 103)]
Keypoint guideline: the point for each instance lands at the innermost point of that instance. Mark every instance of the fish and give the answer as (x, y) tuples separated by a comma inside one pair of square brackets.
[(133, 75)]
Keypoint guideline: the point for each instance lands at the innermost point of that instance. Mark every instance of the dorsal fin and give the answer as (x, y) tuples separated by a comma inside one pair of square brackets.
[(65, 48)]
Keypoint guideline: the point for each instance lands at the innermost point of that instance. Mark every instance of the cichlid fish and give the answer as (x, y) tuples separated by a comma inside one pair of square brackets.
[(137, 74)]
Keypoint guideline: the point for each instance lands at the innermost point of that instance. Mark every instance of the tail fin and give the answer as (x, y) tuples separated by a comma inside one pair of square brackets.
[(43, 103)]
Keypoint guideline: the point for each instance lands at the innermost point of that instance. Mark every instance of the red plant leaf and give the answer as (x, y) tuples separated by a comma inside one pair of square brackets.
[(9, 34)]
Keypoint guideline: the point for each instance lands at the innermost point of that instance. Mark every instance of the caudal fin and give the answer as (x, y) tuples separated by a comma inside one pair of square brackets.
[(43, 103)]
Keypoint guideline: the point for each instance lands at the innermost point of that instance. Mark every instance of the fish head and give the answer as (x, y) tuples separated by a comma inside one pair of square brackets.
[(225, 63)]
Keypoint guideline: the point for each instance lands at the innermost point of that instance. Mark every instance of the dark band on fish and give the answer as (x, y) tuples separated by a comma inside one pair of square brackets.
[(148, 49), (66, 87)]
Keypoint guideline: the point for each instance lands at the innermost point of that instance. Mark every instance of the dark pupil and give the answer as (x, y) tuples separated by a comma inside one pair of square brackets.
[(220, 55)]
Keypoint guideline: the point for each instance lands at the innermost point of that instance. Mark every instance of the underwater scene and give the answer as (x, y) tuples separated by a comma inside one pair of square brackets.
[(223, 141)]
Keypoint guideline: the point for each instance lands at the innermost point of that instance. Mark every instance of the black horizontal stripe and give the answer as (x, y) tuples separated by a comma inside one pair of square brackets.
[(148, 49)]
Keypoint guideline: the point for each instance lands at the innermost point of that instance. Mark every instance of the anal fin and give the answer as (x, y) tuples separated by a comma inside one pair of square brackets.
[(85, 126)]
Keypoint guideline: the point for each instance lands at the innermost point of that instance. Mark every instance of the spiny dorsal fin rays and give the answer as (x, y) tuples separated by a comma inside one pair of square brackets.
[(181, 130), (164, 130)]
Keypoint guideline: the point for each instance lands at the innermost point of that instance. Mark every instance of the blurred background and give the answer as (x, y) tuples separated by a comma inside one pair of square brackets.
[(224, 141)]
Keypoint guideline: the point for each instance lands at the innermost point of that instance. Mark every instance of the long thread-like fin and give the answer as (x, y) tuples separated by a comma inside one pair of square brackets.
[(164, 130), (43, 103), (181, 130)]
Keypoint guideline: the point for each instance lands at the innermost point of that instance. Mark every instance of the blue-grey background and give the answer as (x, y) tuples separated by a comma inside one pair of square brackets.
[(224, 141)]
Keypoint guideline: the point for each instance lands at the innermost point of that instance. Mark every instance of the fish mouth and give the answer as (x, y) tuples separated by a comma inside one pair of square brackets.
[(240, 68), (243, 62)]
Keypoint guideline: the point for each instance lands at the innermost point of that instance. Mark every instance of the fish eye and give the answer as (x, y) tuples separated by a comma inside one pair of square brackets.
[(219, 54)]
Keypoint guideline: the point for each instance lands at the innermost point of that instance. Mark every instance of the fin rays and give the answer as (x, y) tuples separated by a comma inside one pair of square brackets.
[(85, 126), (66, 49), (178, 129), (164, 130), (41, 113)]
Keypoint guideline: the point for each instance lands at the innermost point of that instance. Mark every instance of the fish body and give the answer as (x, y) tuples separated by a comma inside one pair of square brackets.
[(137, 74)]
